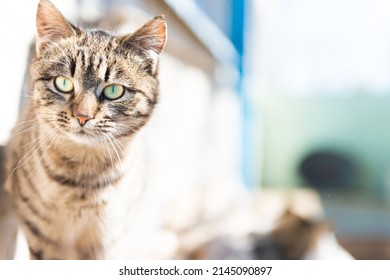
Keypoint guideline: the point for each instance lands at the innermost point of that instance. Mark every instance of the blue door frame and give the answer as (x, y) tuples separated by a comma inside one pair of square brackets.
[(250, 169)]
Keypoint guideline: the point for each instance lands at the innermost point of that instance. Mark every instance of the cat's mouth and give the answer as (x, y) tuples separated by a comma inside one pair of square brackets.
[(84, 136), (84, 132)]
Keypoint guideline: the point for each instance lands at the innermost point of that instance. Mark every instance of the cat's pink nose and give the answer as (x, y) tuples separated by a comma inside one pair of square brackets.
[(82, 119)]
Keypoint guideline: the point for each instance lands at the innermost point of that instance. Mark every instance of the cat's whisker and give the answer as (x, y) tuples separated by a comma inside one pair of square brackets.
[(29, 143), (28, 121), (40, 144), (124, 137), (34, 140), (30, 128), (45, 113), (110, 175), (121, 130), (33, 150), (44, 153), (37, 122), (118, 143), (56, 143), (112, 145), (109, 152)]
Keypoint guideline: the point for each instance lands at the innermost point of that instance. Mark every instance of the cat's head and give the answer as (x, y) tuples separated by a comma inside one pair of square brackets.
[(90, 84)]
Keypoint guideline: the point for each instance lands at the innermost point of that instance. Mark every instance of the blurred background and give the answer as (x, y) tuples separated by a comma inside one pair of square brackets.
[(267, 96)]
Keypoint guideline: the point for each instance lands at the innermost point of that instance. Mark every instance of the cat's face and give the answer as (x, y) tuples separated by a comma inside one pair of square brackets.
[(91, 85)]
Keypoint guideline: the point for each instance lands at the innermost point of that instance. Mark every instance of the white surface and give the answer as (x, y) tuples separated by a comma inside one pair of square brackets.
[(310, 47)]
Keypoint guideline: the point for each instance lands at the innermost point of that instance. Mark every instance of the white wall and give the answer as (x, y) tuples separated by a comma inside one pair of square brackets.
[(334, 47)]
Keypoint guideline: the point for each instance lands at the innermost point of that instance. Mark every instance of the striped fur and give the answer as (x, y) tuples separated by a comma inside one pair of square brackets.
[(75, 186)]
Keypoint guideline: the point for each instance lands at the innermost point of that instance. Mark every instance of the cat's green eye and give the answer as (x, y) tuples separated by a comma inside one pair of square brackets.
[(113, 92), (63, 84)]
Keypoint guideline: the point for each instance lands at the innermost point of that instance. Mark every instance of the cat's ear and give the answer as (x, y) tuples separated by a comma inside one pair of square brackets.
[(51, 25), (150, 38)]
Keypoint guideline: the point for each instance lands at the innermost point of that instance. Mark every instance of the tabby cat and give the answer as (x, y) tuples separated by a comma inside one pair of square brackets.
[(75, 159)]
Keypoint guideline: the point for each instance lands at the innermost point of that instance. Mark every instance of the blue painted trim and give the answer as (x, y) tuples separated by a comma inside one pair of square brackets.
[(250, 126), (237, 27), (248, 140)]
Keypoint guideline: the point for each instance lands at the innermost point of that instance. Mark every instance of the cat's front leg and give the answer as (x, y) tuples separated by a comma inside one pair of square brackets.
[(8, 220)]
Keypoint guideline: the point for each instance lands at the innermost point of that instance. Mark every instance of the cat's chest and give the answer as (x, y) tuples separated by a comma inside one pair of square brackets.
[(78, 161), (85, 169)]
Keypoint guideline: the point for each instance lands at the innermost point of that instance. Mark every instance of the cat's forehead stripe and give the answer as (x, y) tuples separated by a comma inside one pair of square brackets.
[(107, 74), (72, 67), (87, 67)]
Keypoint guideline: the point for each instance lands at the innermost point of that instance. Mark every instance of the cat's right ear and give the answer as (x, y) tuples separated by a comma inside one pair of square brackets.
[(150, 39), (51, 25)]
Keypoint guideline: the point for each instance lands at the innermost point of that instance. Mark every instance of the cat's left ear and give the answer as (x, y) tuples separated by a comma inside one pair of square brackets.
[(51, 25), (150, 39)]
